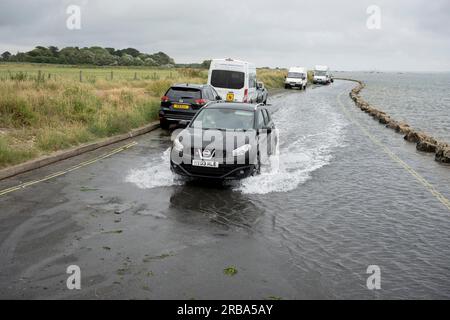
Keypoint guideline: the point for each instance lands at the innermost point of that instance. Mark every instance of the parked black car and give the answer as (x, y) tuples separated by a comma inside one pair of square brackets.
[(263, 94), (224, 141), (182, 101)]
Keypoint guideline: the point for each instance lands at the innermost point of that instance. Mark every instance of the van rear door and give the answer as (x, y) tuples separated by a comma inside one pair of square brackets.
[(229, 84)]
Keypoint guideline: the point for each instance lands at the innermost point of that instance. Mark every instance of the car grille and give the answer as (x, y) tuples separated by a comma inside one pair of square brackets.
[(223, 170)]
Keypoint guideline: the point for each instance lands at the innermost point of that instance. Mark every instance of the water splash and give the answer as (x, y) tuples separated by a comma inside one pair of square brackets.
[(307, 139), (155, 174)]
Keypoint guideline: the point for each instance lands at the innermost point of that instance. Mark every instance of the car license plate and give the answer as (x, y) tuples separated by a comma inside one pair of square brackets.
[(181, 106), (205, 163), (230, 97)]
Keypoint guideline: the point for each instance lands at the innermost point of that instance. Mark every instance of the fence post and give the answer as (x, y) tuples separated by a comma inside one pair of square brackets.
[(112, 75), (135, 76), (81, 76), (39, 76)]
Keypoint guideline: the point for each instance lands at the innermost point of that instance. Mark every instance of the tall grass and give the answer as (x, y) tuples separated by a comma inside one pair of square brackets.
[(12, 154), (40, 117), (273, 79)]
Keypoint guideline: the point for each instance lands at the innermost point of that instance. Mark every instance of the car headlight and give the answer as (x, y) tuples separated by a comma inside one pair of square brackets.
[(241, 150), (177, 145)]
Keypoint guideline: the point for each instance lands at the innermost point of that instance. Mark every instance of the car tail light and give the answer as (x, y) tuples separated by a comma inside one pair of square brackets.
[(245, 95), (200, 101), (164, 99)]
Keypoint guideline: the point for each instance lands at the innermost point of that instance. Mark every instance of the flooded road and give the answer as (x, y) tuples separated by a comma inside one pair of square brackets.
[(308, 227)]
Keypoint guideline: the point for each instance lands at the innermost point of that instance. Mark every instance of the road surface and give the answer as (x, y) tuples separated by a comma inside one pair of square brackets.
[(347, 193)]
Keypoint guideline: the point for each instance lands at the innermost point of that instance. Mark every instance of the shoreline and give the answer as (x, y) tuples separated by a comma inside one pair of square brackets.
[(424, 142)]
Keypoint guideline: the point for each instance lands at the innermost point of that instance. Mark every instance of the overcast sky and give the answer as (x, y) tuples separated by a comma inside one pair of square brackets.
[(414, 34)]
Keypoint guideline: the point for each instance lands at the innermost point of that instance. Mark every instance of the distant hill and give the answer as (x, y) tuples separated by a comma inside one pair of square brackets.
[(90, 56)]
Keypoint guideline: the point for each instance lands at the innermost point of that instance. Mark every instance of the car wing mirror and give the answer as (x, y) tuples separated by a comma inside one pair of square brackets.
[(218, 98)]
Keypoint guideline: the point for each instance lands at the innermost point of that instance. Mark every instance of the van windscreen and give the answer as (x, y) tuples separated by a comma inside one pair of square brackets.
[(296, 75), (227, 79)]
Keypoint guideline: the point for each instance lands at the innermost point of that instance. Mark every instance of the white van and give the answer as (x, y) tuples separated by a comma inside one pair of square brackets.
[(322, 75), (296, 77), (234, 80)]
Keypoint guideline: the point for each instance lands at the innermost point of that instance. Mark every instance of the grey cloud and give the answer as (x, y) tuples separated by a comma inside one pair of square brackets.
[(414, 35)]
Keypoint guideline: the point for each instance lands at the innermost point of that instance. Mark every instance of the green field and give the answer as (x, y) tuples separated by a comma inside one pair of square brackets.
[(88, 74), (45, 108)]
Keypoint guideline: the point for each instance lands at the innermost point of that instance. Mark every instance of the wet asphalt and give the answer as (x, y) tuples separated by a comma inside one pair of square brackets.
[(309, 229)]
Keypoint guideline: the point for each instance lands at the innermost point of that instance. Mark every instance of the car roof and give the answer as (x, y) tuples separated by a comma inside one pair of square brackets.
[(189, 85), (233, 105), (294, 69)]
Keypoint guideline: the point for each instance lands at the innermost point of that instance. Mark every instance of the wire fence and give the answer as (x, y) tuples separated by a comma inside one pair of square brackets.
[(84, 76)]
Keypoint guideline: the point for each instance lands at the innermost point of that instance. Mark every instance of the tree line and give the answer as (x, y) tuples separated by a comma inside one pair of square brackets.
[(97, 56)]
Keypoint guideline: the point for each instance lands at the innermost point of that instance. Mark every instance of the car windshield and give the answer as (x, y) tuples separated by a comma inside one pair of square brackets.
[(228, 119), (320, 73), (227, 79), (296, 75), (176, 94)]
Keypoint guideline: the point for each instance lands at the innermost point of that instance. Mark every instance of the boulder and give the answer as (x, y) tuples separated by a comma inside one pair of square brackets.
[(385, 119), (413, 136), (373, 112), (443, 155), (426, 146), (403, 128), (364, 108), (392, 124)]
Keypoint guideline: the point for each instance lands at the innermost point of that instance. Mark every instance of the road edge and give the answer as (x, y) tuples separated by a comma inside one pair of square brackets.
[(75, 151)]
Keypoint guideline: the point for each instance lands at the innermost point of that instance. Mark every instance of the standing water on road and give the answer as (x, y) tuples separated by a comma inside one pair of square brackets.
[(309, 130), (333, 204)]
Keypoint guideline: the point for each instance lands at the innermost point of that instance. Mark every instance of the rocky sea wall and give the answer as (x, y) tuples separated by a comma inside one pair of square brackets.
[(424, 142)]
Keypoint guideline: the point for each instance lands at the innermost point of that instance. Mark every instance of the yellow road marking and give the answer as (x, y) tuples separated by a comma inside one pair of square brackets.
[(60, 173), (394, 157)]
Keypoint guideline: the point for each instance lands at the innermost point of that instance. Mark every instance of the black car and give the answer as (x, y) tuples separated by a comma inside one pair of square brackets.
[(182, 101), (224, 141)]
